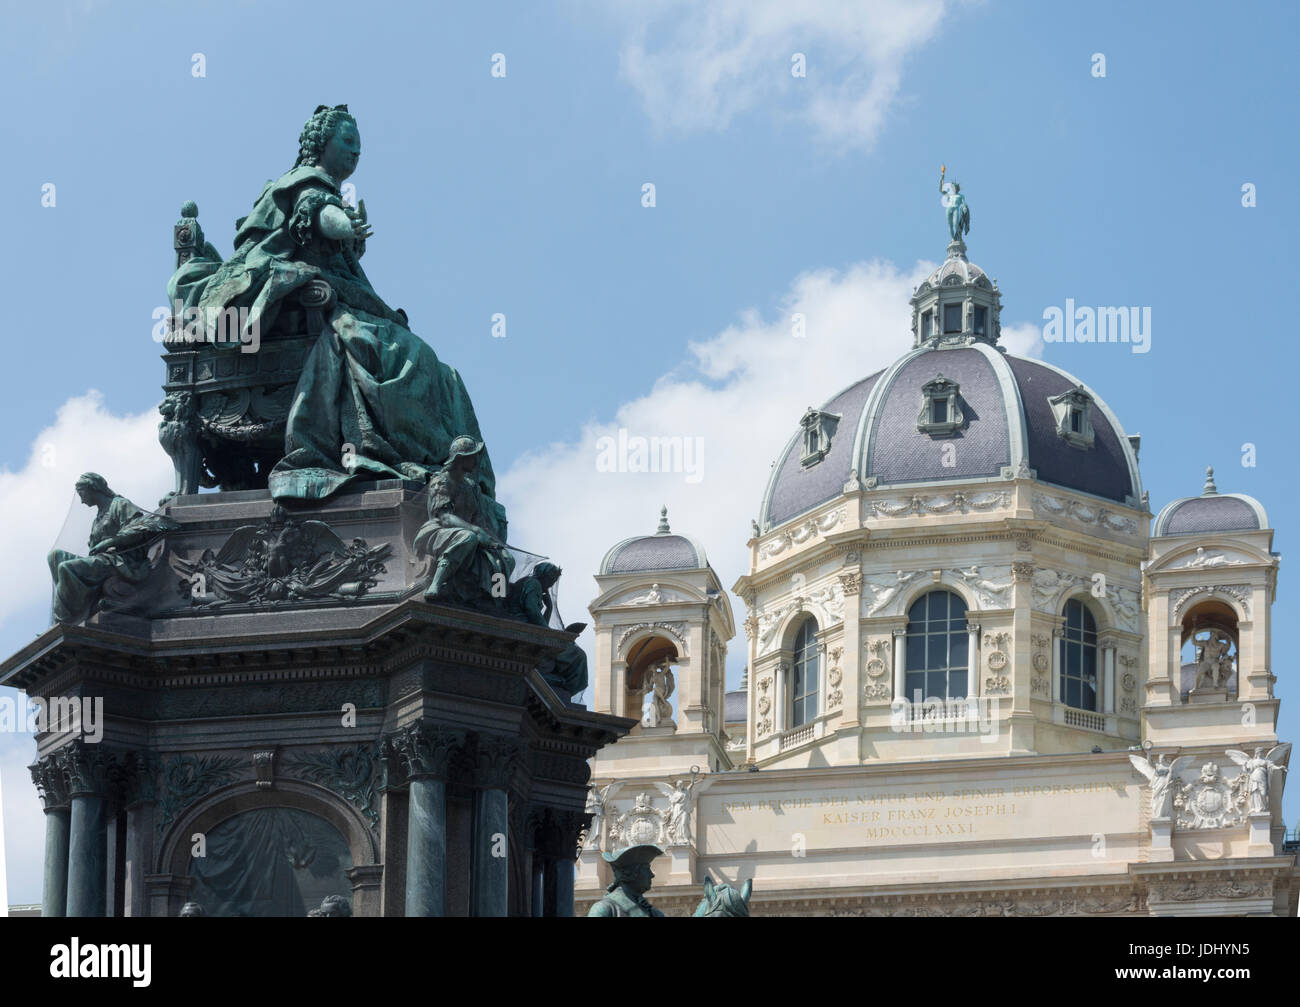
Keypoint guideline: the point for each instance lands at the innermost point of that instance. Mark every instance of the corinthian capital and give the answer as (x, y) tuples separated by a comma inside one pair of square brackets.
[(425, 749)]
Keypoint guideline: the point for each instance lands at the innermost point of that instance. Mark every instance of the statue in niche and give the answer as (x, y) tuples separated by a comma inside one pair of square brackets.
[(1214, 665), (372, 400), (632, 879), (471, 565), (120, 537), (530, 598), (723, 900), (1163, 778), (657, 687), (1258, 769), (955, 204)]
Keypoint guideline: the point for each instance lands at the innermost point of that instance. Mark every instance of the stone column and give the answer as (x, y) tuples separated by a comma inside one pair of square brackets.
[(139, 799), (1108, 677), (1057, 637), (86, 766), (900, 664), (52, 786), (496, 759), (425, 750), (972, 661), (851, 668), (781, 701)]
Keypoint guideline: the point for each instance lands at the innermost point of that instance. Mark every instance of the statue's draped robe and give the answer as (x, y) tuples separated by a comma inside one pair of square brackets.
[(374, 401), (79, 580)]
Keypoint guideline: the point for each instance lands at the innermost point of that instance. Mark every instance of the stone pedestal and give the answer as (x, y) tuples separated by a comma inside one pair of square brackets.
[(1162, 849), (1261, 840), (1204, 696)]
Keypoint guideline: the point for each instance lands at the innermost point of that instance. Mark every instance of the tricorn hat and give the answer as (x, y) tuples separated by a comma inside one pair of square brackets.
[(632, 856)]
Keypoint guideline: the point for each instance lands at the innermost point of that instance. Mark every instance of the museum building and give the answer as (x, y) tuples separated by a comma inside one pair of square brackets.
[(980, 679)]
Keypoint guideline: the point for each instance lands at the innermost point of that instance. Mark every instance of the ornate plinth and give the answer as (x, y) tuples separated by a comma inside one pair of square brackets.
[(285, 718)]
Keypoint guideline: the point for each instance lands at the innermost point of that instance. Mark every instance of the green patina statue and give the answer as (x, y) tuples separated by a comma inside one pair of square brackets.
[(471, 565), (530, 599), (632, 879), (373, 400), (120, 538), (955, 202), (723, 900)]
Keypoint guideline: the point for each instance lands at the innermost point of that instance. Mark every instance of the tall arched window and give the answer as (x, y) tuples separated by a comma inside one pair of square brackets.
[(806, 679), (1079, 657), (937, 642)]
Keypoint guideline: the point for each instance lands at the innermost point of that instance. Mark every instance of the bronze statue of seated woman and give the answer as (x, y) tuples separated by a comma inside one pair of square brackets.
[(371, 400)]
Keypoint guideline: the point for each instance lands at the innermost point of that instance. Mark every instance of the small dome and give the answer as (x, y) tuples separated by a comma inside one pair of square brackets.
[(661, 551), (960, 269), (1212, 511)]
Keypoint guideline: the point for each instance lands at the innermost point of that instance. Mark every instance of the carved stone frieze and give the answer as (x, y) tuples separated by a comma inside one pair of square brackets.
[(1088, 514), (800, 533), (677, 630), (1240, 592), (951, 503)]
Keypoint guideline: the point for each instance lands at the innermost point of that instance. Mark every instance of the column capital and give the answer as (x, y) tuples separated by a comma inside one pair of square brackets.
[(86, 767), (51, 783), (496, 758), (425, 749), (899, 631)]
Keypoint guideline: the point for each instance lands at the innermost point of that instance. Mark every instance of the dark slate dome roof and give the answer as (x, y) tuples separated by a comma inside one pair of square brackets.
[(735, 707), (1009, 421), (1210, 512), (661, 551)]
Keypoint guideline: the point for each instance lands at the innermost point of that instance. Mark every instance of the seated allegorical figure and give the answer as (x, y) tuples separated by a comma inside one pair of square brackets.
[(530, 599), (471, 566), (119, 548), (373, 400)]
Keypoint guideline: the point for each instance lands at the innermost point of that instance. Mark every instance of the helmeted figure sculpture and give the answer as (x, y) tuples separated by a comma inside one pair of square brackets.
[(530, 598), (470, 564)]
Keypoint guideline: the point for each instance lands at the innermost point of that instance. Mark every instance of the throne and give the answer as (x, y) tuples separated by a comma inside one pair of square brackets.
[(225, 410)]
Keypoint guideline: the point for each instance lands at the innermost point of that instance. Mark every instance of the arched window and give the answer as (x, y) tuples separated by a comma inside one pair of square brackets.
[(806, 679), (937, 641), (1079, 660)]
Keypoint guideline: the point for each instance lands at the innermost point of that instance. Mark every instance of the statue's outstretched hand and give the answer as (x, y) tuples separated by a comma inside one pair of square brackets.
[(361, 229)]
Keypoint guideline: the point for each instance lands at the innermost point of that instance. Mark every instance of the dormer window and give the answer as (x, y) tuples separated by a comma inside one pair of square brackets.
[(981, 319), (927, 325), (1073, 411), (818, 429), (940, 407)]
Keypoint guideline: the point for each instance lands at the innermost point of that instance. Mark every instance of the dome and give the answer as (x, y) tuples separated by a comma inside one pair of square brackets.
[(735, 707), (661, 551), (1212, 511), (1002, 414), (957, 269)]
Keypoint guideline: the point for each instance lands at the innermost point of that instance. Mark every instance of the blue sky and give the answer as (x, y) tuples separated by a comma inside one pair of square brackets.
[(522, 195)]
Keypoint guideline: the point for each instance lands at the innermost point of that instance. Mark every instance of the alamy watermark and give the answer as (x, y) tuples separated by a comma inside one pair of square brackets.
[(1098, 325), (76, 715), (628, 453), (179, 324), (932, 715)]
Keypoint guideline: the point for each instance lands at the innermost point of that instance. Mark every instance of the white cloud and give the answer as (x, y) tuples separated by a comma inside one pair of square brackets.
[(742, 392), (698, 66)]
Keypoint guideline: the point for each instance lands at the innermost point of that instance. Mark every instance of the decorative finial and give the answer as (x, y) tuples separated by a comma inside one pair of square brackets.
[(663, 521), (189, 208), (1210, 489)]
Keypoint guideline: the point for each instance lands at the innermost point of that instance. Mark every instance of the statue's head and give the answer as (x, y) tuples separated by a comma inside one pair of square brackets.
[(192, 909), (547, 573), (632, 867), (330, 140), (92, 485), (464, 452)]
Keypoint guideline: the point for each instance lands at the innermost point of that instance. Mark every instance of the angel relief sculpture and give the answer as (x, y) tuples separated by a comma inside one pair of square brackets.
[(1259, 771), (1163, 779), (282, 559)]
